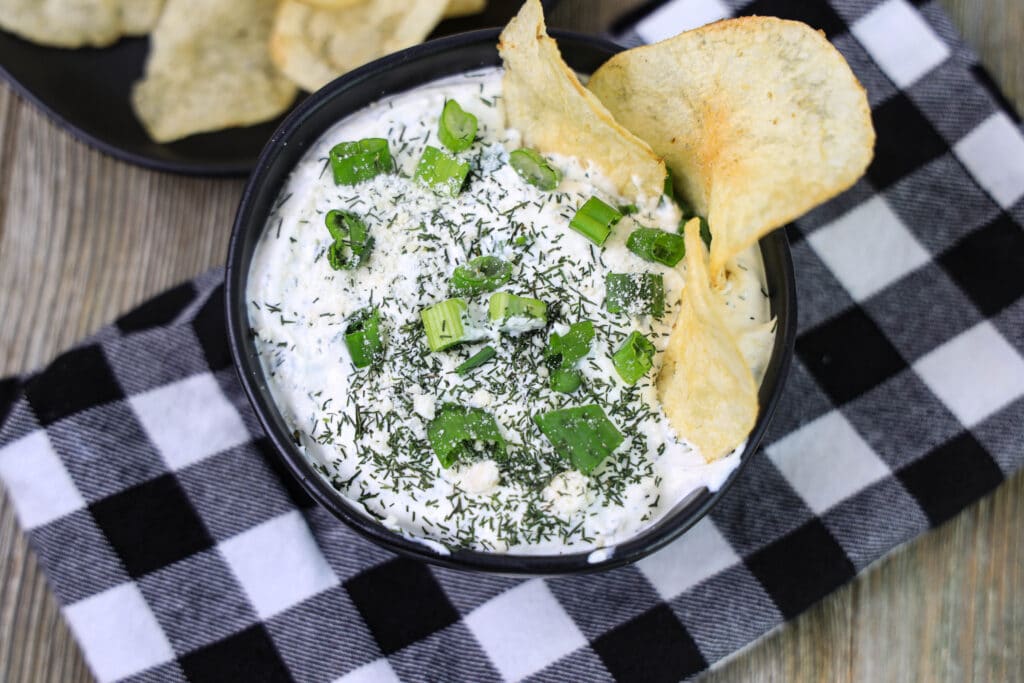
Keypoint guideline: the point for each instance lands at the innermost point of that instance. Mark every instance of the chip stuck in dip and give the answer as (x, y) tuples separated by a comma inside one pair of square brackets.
[(491, 322)]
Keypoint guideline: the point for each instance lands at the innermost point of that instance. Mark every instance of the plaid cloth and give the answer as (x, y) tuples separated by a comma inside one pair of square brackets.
[(178, 550)]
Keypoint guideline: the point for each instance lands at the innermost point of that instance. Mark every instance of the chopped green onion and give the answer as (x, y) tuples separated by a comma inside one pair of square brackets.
[(476, 360), (459, 433), (628, 209), (517, 314), (583, 434), (354, 162), (350, 234), (670, 189), (457, 128), (635, 293), (656, 245), (634, 359), (441, 172), (562, 352), (362, 337), (565, 380), (594, 220), (705, 228), (534, 169), (705, 232), (482, 274), (445, 324)]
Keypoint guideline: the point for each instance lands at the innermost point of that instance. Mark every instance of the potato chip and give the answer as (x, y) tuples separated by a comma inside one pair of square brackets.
[(464, 8), (760, 119), (63, 23), (208, 69), (332, 4), (138, 17), (313, 46), (705, 386), (545, 101)]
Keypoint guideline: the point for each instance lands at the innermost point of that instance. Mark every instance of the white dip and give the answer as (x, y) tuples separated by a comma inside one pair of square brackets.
[(365, 429)]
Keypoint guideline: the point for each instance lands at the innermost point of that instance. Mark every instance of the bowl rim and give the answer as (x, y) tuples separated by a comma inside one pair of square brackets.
[(672, 524)]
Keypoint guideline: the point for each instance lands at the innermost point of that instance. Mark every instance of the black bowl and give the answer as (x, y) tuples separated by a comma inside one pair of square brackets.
[(394, 74)]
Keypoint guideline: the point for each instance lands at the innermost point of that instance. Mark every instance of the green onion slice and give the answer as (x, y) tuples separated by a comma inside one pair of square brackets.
[(445, 324), (354, 162), (634, 358), (656, 245), (459, 433), (565, 380), (441, 172), (563, 350), (670, 190), (457, 128), (476, 360), (705, 228), (595, 220), (583, 434), (362, 337), (705, 232), (562, 353), (635, 294), (482, 274), (534, 169), (516, 314), (352, 242)]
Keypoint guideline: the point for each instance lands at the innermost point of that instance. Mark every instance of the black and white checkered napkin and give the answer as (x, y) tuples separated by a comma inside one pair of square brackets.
[(177, 551)]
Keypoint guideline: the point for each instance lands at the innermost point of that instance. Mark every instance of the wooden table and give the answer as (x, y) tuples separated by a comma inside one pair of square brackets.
[(84, 237)]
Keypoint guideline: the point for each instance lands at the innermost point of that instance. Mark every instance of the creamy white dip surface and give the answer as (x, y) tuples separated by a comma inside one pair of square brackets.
[(365, 429)]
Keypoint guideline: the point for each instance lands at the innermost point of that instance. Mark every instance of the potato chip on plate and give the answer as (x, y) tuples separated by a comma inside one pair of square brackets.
[(545, 101), (78, 23), (464, 8), (208, 69), (455, 8), (705, 386), (760, 119), (138, 17), (315, 45), (63, 23)]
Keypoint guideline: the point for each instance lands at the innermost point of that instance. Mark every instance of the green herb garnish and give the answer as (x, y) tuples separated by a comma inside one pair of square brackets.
[(456, 128), (635, 293), (584, 435), (595, 220), (482, 274), (441, 172), (534, 169), (460, 433), (634, 358), (362, 337), (354, 162)]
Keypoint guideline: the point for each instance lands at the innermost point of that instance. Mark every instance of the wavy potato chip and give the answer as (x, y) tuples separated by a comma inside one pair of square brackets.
[(208, 69), (138, 17), (545, 101), (78, 23), (455, 8), (313, 46), (331, 4), (63, 23), (760, 119), (705, 386), (464, 8)]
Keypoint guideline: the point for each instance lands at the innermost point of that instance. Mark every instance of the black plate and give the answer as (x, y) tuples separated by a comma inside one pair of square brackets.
[(394, 74), (87, 91)]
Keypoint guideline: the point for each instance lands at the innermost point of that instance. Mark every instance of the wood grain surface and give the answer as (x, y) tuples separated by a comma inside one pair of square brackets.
[(83, 238)]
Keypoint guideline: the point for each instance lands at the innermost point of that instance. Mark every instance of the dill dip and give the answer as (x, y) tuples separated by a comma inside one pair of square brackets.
[(445, 446)]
